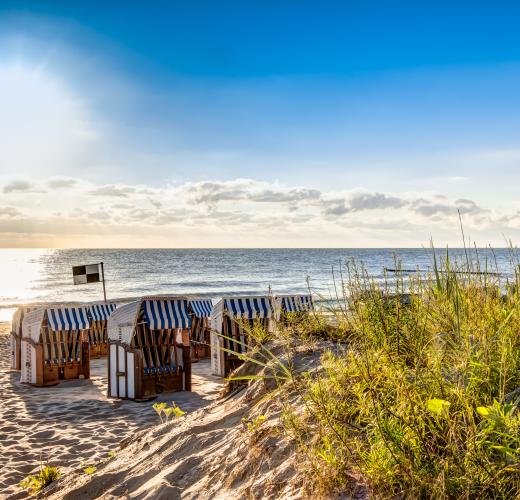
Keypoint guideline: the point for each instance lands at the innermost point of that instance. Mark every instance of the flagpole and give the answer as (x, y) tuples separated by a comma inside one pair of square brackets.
[(103, 279)]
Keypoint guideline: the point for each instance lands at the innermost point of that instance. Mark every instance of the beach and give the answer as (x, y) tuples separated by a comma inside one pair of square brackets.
[(74, 425)]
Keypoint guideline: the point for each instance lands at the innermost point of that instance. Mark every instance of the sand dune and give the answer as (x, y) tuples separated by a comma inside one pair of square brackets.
[(208, 454), (73, 423)]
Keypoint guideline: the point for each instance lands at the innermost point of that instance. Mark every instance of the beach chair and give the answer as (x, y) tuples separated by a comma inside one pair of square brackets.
[(54, 345), (200, 311), (149, 348), (286, 305), (232, 320), (98, 335)]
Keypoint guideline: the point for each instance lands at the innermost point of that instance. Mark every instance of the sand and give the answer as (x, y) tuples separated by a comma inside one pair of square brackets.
[(74, 424), (208, 454)]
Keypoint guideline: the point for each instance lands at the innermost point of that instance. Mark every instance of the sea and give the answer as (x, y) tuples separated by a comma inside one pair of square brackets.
[(45, 275)]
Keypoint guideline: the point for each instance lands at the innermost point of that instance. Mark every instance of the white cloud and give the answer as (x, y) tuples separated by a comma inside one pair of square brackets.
[(241, 212)]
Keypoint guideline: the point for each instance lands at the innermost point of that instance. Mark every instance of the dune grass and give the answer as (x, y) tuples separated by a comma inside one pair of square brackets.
[(420, 395), (422, 398), (35, 483)]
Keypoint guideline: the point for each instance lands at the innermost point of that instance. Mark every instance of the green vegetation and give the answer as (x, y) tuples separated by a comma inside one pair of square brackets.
[(89, 470), (166, 412), (418, 394), (253, 424), (46, 476)]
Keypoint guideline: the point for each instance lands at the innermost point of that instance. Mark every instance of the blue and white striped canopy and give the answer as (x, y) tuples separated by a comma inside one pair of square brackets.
[(201, 308), (101, 312), (297, 303), (164, 314), (249, 307), (68, 318)]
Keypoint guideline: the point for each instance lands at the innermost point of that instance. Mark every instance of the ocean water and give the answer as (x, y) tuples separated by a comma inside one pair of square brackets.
[(45, 275)]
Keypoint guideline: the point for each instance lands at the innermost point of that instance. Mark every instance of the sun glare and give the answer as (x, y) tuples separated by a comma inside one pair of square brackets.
[(42, 123), (20, 269)]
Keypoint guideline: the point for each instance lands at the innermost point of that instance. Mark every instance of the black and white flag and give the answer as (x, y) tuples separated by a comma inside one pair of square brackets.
[(91, 273)]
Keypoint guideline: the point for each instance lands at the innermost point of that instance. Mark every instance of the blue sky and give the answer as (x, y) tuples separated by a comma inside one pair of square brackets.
[(411, 108)]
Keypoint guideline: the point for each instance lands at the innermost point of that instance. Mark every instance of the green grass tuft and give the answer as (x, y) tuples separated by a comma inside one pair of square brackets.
[(45, 476)]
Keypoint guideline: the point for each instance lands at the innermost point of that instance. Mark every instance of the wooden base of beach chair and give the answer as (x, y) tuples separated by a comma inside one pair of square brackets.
[(49, 374), (128, 379)]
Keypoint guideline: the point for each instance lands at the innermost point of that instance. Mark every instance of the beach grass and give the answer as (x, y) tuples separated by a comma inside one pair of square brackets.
[(422, 398), (46, 475), (418, 393)]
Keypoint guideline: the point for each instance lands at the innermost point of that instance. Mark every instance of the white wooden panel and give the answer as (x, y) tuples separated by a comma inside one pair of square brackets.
[(32, 350), (130, 374), (112, 374), (121, 380)]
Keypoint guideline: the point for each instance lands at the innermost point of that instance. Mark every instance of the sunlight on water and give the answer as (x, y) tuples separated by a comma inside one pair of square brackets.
[(19, 270)]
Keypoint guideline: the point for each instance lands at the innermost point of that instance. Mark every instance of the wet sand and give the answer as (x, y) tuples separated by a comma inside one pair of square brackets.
[(74, 424)]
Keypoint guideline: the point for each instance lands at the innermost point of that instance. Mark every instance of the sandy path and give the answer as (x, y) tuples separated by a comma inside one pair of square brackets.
[(73, 423)]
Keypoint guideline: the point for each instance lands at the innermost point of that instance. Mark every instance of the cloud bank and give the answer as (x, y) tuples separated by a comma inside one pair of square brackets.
[(242, 212)]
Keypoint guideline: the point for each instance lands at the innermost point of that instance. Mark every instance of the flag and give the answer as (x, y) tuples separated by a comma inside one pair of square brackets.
[(90, 273)]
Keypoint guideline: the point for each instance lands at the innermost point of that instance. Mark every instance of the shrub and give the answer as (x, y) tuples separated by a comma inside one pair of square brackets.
[(423, 399)]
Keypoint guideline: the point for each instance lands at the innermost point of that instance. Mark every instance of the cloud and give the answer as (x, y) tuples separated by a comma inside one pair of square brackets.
[(212, 193), (285, 196), (9, 212), (335, 207), (122, 206), (428, 208), (62, 183), (18, 186), (110, 190), (213, 213), (362, 201), (467, 206), (155, 203), (374, 201)]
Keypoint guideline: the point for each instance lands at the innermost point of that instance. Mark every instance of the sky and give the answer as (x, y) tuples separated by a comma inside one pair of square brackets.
[(259, 124)]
